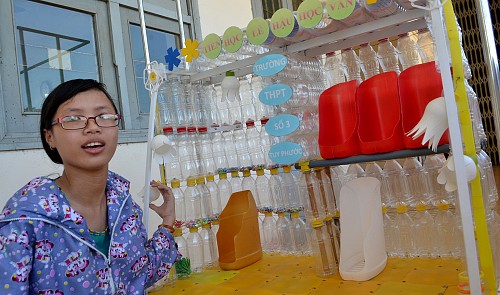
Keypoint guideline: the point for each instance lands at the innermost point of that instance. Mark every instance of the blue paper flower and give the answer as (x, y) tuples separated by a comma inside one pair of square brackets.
[(171, 59)]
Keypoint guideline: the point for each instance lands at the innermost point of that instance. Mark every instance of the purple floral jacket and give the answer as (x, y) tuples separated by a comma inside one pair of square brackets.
[(46, 247)]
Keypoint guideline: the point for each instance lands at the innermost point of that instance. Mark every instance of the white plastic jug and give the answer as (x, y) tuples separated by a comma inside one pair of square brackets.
[(362, 243)]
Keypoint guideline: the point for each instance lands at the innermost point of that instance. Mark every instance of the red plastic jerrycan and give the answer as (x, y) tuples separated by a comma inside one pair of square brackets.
[(379, 114), (418, 85), (338, 122)]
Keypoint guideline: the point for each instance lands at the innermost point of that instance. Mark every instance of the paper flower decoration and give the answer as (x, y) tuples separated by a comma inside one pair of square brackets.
[(172, 58), (191, 50), (447, 176), (433, 123), (153, 195), (154, 74), (163, 148)]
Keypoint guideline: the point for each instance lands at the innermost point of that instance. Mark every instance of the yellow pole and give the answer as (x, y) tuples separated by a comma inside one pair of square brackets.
[(481, 228)]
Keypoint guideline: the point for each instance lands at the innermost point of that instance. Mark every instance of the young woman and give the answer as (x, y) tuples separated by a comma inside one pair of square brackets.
[(82, 233)]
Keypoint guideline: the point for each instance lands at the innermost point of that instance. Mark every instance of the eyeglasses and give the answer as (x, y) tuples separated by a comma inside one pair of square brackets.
[(80, 122)]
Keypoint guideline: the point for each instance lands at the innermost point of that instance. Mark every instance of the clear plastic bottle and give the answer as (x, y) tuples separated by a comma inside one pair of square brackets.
[(415, 178), (196, 251), (284, 231), (214, 194), (261, 110), (389, 233), (373, 169), (493, 221), (173, 166), (388, 56), (436, 191), (186, 154), (269, 233), (424, 232), (290, 189), (205, 152), (480, 137), (165, 110), (188, 101), (179, 199), (265, 142), (235, 181), (254, 144), (182, 267), (202, 115), (488, 184), (425, 45), (177, 103), (369, 62), (247, 101), (231, 95), (403, 226), (396, 182), (207, 212), (352, 65), (334, 69), (276, 185), (445, 230), (407, 51), (218, 151), (241, 146), (248, 183), (210, 254), (324, 260), (263, 190), (225, 189), (299, 236), (210, 103), (230, 149), (192, 138), (193, 202)]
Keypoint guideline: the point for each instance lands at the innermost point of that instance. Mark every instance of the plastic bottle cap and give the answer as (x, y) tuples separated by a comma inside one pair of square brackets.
[(274, 171), (168, 129), (177, 232), (330, 54), (206, 225), (364, 44), (215, 222), (210, 177), (200, 179), (175, 182), (246, 173), (191, 181), (403, 35), (229, 74), (443, 205), (193, 229), (222, 175), (287, 169), (250, 123), (383, 40), (281, 214), (268, 214), (295, 214), (202, 129), (305, 168), (191, 129), (181, 129), (421, 207), (384, 209), (401, 208), (264, 121), (234, 174), (260, 172)]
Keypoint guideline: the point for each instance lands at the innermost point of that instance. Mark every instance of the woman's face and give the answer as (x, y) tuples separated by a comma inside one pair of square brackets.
[(92, 147)]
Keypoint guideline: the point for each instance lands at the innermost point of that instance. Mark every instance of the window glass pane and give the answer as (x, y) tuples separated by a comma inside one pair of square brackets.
[(296, 4), (54, 45), (158, 43)]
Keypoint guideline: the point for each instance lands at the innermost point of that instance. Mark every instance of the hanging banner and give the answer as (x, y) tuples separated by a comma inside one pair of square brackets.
[(258, 32), (282, 125), (275, 94), (285, 153), (283, 23), (270, 64), (340, 9), (211, 46), (232, 39), (309, 13)]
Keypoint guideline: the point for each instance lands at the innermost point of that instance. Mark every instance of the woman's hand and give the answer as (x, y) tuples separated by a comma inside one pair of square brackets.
[(167, 209)]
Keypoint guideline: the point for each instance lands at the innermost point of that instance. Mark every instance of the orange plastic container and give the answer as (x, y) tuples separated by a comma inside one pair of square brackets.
[(379, 114), (418, 85), (338, 121), (238, 237)]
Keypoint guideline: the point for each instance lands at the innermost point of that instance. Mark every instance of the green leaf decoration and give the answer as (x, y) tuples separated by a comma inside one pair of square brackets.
[(183, 268)]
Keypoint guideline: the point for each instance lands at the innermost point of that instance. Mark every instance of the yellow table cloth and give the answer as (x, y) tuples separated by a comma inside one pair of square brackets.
[(276, 274)]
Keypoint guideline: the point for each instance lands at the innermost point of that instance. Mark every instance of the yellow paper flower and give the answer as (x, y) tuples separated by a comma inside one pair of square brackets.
[(191, 50)]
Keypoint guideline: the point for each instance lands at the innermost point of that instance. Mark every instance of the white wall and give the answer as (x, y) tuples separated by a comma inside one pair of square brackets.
[(218, 15)]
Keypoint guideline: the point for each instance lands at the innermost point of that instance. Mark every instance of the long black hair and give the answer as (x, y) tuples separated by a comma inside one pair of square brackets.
[(62, 93)]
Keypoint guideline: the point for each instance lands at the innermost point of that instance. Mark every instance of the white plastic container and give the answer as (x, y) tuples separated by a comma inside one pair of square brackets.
[(362, 243)]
